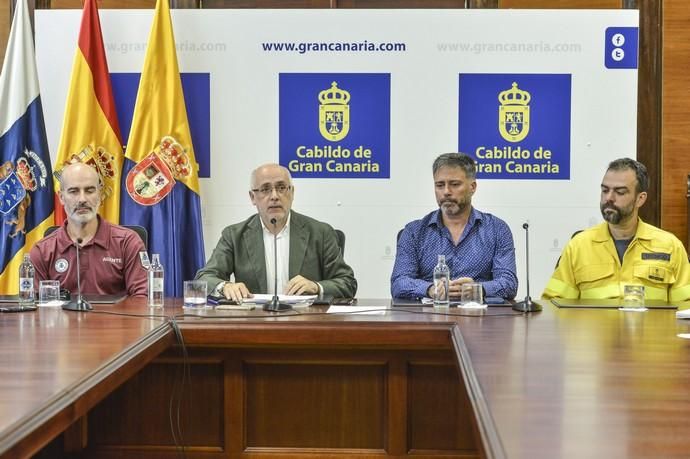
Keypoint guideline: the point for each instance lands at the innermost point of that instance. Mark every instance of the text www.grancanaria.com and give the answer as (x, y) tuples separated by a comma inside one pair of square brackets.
[(330, 47)]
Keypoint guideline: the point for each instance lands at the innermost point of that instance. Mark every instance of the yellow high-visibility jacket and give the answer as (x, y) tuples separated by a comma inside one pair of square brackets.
[(589, 267)]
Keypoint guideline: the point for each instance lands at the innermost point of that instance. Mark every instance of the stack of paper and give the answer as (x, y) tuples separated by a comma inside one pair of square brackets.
[(684, 314), (296, 301)]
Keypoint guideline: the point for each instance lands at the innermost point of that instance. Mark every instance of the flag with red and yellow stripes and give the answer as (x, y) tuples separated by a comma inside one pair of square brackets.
[(90, 130)]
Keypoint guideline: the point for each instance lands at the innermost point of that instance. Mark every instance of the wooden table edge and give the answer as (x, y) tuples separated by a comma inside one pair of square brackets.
[(36, 429), (491, 445)]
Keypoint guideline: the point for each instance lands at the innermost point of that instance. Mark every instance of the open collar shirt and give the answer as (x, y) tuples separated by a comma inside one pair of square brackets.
[(283, 243), (485, 252)]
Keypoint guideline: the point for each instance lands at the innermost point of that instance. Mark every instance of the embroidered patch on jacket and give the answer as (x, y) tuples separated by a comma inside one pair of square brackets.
[(656, 256), (656, 274)]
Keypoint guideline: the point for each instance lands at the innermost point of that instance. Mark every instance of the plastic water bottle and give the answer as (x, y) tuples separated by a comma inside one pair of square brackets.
[(156, 282), (441, 283), (27, 296)]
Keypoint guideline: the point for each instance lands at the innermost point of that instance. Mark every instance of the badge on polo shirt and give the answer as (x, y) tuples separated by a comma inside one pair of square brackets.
[(144, 259), (61, 265)]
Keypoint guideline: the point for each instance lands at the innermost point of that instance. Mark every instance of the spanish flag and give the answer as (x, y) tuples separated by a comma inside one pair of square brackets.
[(160, 169), (90, 130)]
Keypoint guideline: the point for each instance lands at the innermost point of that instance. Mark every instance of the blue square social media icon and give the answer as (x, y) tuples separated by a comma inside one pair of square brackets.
[(620, 47)]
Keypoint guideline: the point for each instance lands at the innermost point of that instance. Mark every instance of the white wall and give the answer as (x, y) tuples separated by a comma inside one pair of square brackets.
[(424, 112)]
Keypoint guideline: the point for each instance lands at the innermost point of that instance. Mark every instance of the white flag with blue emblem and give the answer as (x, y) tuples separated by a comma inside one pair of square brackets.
[(26, 191)]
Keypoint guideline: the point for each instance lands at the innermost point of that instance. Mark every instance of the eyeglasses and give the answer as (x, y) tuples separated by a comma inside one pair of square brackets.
[(266, 190)]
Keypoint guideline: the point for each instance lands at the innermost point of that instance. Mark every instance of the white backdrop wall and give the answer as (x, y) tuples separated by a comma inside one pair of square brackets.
[(440, 45)]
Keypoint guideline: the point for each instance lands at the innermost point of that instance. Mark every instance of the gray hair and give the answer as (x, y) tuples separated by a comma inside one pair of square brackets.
[(461, 160), (252, 176)]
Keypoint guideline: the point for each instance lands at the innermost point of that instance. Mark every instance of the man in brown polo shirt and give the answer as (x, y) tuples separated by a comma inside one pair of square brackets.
[(109, 254)]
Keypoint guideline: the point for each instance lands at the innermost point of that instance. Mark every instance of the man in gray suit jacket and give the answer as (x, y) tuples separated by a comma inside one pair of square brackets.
[(309, 259)]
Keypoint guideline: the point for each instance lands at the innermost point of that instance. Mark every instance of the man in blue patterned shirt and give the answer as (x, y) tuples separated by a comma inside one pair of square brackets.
[(478, 246)]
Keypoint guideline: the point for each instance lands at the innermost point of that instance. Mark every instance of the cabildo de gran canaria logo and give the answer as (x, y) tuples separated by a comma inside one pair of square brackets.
[(335, 125), (334, 113), (513, 114), (530, 139)]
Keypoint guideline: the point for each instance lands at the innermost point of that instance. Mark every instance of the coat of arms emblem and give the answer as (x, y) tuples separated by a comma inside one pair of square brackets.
[(101, 160), (513, 114), (154, 177), (334, 113), (16, 184)]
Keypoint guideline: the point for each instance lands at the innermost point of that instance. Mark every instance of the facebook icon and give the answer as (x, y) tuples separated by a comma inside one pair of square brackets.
[(620, 47)]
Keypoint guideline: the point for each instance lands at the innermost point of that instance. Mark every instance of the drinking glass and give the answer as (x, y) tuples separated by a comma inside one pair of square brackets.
[(194, 294), (472, 295), (49, 292), (633, 298)]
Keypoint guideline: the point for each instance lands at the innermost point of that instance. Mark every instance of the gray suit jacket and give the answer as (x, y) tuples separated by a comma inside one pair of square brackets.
[(314, 253)]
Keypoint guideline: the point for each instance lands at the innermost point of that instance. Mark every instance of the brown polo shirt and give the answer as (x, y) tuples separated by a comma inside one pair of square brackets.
[(109, 262)]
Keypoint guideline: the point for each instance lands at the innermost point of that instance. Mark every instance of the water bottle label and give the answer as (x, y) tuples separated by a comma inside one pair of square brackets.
[(26, 284), (144, 259), (157, 285)]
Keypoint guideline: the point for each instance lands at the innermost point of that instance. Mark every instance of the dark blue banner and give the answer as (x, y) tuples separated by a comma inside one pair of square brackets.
[(335, 124), (517, 126)]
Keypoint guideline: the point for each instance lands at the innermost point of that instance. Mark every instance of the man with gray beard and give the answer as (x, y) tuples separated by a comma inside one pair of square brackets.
[(109, 257), (623, 250)]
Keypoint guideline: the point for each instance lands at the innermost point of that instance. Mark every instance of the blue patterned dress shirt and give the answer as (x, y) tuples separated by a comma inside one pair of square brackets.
[(485, 253)]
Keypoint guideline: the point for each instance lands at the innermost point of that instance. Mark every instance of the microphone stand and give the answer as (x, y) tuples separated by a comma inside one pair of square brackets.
[(275, 305), (80, 304), (527, 305)]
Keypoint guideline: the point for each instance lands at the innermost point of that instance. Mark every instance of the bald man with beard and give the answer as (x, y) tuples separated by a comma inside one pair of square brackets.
[(109, 254)]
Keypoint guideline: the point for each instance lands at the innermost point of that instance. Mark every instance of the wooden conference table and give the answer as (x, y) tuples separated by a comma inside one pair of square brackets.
[(560, 383)]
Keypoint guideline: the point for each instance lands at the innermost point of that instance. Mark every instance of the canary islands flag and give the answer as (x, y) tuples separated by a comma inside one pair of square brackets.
[(90, 130), (26, 192), (160, 173)]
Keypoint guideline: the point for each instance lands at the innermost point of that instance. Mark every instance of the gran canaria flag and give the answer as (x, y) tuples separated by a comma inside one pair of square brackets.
[(90, 130), (26, 192), (160, 170)]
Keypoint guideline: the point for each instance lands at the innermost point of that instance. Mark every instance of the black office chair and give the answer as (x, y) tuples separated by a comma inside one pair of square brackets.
[(574, 234), (340, 236), (140, 230)]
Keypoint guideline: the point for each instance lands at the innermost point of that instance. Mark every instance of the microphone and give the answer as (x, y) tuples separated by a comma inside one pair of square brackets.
[(275, 305), (80, 304), (527, 305)]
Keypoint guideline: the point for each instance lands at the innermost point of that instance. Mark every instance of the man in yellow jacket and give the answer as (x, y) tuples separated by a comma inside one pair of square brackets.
[(599, 261)]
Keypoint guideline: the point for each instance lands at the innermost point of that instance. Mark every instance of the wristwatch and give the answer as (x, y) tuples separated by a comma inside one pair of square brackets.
[(218, 291)]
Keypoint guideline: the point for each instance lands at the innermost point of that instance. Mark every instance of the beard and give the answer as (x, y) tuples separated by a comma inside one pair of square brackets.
[(615, 214), (453, 206), (82, 217)]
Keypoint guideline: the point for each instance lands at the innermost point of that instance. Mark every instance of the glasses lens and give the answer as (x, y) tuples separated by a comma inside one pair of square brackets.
[(281, 188)]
